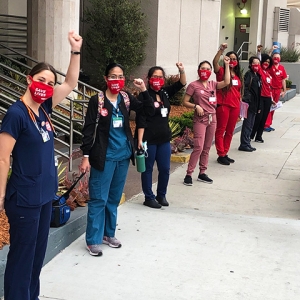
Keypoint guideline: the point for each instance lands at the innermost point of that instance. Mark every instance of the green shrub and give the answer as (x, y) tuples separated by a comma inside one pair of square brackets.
[(288, 83), (289, 54), (117, 32), (186, 120), (178, 97)]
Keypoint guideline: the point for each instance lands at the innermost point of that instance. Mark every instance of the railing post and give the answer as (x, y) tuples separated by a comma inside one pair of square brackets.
[(71, 136)]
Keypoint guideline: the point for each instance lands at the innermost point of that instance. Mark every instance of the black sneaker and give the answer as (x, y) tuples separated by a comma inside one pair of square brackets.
[(188, 180), (152, 203), (259, 140), (229, 159), (204, 178), (223, 161)]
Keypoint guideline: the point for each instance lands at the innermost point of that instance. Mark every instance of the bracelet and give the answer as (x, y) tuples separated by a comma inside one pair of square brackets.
[(195, 106), (86, 155), (181, 71), (75, 52)]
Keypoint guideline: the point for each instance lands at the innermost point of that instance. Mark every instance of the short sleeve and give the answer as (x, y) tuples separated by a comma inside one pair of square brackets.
[(220, 74), (47, 105), (190, 89), (13, 122), (284, 75)]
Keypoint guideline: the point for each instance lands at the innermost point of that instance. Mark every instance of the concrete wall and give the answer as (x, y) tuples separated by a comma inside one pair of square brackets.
[(187, 34), (227, 22), (14, 7), (48, 25)]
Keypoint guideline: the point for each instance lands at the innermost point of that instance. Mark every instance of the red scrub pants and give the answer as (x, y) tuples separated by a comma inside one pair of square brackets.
[(226, 120), (276, 97)]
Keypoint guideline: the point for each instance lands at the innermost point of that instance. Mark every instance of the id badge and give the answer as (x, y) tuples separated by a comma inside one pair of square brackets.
[(268, 80), (212, 100), (45, 136), (164, 112), (55, 161), (117, 122), (235, 82)]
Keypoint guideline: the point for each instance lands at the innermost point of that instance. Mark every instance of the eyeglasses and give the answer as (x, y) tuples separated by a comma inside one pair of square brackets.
[(155, 76), (116, 77)]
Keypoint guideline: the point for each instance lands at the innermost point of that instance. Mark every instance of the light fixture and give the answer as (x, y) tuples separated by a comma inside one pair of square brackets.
[(242, 8)]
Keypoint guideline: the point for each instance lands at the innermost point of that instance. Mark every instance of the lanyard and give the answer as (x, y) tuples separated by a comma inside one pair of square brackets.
[(33, 119)]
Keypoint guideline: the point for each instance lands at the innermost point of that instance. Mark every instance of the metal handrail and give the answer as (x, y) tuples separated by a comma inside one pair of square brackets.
[(240, 51), (65, 121)]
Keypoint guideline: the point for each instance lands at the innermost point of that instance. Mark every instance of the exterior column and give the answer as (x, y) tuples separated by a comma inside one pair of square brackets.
[(256, 25), (48, 25)]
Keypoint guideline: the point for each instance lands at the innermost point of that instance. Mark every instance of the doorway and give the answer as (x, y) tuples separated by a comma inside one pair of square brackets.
[(241, 35)]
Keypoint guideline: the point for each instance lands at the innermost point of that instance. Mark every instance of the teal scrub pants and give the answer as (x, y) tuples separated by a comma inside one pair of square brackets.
[(105, 189)]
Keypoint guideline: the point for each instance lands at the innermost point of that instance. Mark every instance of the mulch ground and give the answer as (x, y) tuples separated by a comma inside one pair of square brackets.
[(176, 111)]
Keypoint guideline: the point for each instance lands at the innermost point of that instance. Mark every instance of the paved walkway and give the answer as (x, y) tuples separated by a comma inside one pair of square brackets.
[(235, 239)]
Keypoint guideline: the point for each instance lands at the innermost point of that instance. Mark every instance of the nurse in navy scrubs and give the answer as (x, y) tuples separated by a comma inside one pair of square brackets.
[(27, 133)]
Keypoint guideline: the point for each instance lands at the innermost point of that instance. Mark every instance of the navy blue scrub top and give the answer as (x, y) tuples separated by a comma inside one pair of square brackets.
[(34, 175)]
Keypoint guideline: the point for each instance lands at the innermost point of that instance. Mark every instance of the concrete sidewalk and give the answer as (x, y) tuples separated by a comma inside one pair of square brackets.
[(235, 239)]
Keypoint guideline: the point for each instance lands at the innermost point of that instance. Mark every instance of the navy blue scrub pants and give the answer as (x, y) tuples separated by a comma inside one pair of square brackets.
[(105, 190), (160, 153), (29, 229)]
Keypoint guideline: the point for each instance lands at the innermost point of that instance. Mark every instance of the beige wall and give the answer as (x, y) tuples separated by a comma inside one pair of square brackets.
[(49, 40), (187, 34), (14, 7)]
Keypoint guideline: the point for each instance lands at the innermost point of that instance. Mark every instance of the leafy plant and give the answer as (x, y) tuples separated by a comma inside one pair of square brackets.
[(175, 128), (290, 54), (178, 97), (117, 32), (288, 83), (80, 194), (185, 120), (182, 142)]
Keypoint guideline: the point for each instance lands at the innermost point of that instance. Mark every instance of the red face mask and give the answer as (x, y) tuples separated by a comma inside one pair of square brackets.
[(276, 60), (255, 68), (115, 85), (40, 91), (233, 63), (156, 83), (265, 65), (204, 74)]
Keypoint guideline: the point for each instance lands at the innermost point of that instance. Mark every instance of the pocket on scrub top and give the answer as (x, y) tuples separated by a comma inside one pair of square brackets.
[(29, 190)]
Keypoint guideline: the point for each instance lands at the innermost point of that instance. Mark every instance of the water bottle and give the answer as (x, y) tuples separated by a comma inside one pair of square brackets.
[(140, 161)]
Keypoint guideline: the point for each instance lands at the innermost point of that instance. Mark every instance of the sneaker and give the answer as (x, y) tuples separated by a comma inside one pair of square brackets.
[(112, 242), (204, 178), (188, 180), (94, 250), (268, 129), (152, 203), (223, 161), (229, 159), (259, 140), (272, 129)]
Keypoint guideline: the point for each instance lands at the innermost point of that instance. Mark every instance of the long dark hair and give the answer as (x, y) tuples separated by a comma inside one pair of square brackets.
[(42, 66), (237, 68)]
